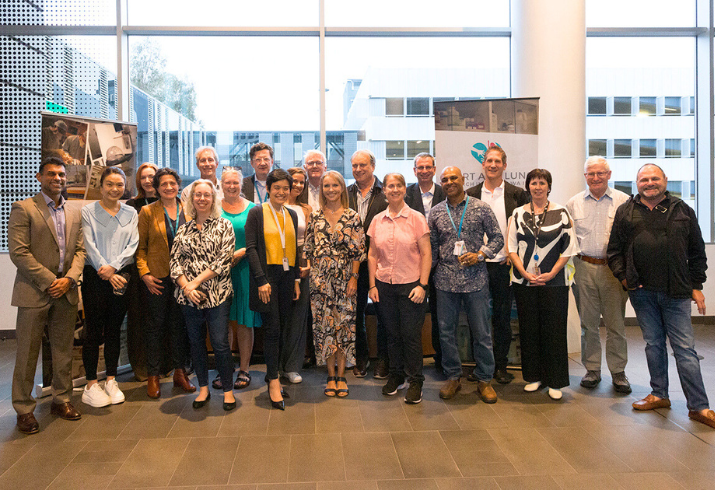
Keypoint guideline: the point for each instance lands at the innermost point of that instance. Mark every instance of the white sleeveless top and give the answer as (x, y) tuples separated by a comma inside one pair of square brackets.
[(301, 222)]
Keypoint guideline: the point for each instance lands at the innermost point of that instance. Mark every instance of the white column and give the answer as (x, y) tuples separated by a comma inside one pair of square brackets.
[(548, 60)]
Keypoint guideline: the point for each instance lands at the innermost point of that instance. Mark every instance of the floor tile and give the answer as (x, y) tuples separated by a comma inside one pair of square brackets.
[(590, 482), (472, 449), (112, 451), (89, 476), (206, 461), (338, 416), (534, 482), (39, 466), (695, 480), (296, 419), (583, 452), (370, 456), (529, 452), (253, 452), (424, 455), (412, 484), (151, 463), (481, 483), (432, 413), (646, 481), (316, 457)]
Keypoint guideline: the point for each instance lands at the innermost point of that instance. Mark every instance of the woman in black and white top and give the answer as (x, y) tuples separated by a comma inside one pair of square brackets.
[(540, 241), (201, 267)]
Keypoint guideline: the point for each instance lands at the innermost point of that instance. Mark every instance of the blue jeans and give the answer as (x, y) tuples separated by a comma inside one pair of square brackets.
[(476, 305), (217, 320), (659, 316)]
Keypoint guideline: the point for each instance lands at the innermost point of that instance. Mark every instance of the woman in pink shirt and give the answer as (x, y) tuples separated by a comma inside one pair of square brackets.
[(399, 262)]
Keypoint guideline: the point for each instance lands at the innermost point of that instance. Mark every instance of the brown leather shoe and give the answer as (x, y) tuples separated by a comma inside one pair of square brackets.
[(707, 419), (182, 381), (486, 392), (651, 402), (360, 369), (450, 388), (65, 411), (153, 388), (27, 424)]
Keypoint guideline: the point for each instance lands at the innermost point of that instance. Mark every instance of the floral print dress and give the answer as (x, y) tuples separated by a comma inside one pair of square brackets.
[(331, 253)]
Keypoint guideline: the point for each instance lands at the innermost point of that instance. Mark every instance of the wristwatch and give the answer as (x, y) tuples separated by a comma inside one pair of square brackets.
[(355, 275), (424, 286)]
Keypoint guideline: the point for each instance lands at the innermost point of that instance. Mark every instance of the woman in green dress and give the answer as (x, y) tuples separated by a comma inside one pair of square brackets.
[(242, 319)]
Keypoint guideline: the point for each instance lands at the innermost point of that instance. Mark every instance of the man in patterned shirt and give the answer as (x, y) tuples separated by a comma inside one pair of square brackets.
[(457, 229)]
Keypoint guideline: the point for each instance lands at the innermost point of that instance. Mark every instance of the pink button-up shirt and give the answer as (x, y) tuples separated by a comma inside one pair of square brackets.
[(395, 239)]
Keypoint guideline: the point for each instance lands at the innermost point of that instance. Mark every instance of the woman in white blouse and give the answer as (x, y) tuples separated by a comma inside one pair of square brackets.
[(110, 238)]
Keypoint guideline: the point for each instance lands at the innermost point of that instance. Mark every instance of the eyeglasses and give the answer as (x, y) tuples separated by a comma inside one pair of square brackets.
[(596, 174), (316, 163)]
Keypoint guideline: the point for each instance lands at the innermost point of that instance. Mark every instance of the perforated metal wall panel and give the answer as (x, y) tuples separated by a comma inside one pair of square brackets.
[(58, 12)]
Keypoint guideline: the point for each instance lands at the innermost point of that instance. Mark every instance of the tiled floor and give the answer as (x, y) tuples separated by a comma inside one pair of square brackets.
[(588, 440)]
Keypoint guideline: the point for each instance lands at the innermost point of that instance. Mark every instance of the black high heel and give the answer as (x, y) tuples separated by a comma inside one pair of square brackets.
[(228, 406), (284, 393), (280, 405), (199, 404)]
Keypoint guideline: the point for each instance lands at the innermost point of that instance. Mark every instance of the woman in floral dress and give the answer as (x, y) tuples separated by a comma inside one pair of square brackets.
[(335, 246)]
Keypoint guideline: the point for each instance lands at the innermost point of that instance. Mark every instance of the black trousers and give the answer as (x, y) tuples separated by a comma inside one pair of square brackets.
[(276, 320), (403, 320), (361, 345), (543, 312), (104, 314), (501, 312), (164, 318), (432, 304)]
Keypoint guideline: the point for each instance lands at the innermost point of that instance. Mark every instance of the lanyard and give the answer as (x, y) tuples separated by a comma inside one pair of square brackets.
[(176, 223), (261, 200), (541, 223), (281, 232), (449, 213)]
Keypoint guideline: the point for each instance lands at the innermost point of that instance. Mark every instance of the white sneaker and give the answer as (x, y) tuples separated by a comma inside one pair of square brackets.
[(555, 394), (532, 386), (95, 397), (111, 388), (294, 377)]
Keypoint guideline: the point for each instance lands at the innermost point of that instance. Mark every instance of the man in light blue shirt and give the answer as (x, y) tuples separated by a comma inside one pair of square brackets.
[(598, 293)]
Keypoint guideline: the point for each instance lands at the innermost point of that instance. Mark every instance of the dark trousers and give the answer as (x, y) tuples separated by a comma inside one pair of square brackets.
[(432, 301), (104, 314), (293, 338), (403, 320), (216, 321), (361, 345), (164, 317), (501, 312), (543, 311), (276, 320)]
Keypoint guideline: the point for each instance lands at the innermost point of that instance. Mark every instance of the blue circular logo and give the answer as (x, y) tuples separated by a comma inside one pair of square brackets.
[(478, 151)]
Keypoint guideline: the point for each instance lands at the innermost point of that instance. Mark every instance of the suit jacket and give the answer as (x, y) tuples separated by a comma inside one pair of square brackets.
[(513, 196), (153, 252), (413, 198), (34, 249), (378, 203), (248, 187), (256, 255)]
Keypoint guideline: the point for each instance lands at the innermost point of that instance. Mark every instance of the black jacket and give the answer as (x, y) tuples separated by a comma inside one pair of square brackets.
[(513, 196), (413, 198), (687, 261), (248, 187), (378, 203), (256, 255)]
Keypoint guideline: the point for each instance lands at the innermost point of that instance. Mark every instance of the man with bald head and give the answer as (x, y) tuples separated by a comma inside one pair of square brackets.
[(458, 226), (315, 167), (657, 252)]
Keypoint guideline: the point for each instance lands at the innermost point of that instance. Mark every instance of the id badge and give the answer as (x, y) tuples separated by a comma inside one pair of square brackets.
[(459, 248), (286, 267)]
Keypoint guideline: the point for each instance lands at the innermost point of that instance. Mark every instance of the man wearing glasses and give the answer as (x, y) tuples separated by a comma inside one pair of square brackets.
[(253, 187), (314, 165), (421, 196), (598, 293)]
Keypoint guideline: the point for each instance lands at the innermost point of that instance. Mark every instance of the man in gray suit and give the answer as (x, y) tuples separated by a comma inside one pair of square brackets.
[(503, 198), (47, 247)]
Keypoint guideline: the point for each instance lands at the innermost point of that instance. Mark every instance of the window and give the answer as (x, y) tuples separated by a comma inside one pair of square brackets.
[(692, 105), (692, 148), (395, 150), (648, 148), (394, 106), (673, 148), (640, 13), (416, 147), (622, 106), (622, 148), (418, 106), (646, 106), (672, 106), (675, 187), (624, 186), (596, 106), (596, 147)]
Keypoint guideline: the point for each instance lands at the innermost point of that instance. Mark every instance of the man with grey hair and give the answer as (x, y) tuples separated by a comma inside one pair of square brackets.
[(207, 163), (315, 167), (598, 293)]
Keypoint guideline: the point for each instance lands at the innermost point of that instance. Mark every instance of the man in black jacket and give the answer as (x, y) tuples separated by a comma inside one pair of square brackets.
[(366, 197), (503, 198), (422, 196), (253, 187), (657, 252)]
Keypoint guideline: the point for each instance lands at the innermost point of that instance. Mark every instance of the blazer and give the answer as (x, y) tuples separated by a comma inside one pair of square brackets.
[(378, 203), (34, 249), (413, 198), (513, 196), (248, 187), (153, 252), (256, 254)]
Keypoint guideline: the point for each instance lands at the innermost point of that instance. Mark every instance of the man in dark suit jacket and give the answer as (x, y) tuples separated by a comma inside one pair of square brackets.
[(422, 196), (261, 156), (503, 198), (47, 247), (366, 197)]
